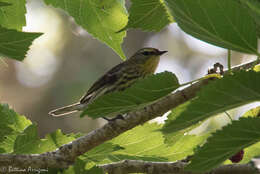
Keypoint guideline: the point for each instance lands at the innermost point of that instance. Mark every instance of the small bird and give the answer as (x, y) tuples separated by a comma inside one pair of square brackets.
[(120, 77)]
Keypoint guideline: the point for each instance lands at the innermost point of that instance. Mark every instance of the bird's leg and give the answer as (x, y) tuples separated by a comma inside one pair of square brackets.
[(115, 118)]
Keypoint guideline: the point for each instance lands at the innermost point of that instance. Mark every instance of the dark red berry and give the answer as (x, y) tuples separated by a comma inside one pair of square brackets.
[(237, 157)]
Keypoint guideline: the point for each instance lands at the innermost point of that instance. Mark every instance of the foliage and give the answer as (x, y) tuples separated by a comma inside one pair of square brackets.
[(12, 20), (254, 150), (232, 24), (15, 44), (227, 24), (219, 96), (11, 125), (254, 9), (217, 22), (141, 143), (140, 94), (101, 19), (225, 143), (150, 15), (18, 135), (147, 143)]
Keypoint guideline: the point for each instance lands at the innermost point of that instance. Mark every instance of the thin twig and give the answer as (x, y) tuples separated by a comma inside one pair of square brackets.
[(229, 61)]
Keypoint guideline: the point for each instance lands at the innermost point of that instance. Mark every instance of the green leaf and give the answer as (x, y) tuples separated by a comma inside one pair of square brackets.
[(150, 15), (4, 4), (254, 150), (11, 125), (87, 163), (223, 23), (28, 142), (13, 15), (140, 94), (28, 139), (173, 137), (15, 44), (220, 95), (144, 143), (101, 152), (254, 9), (19, 136), (102, 19), (225, 143), (83, 167), (255, 112)]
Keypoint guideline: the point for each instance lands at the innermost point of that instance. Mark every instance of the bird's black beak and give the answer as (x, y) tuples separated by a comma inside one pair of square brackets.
[(162, 52)]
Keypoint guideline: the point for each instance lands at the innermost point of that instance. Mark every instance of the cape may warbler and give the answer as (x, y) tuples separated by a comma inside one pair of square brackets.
[(120, 77)]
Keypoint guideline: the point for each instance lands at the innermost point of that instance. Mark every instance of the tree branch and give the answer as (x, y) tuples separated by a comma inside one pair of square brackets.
[(138, 166), (66, 154)]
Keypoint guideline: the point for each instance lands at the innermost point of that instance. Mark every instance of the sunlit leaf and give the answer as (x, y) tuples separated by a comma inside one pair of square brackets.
[(150, 15), (29, 142), (255, 112), (143, 143), (11, 125), (102, 19), (12, 16)]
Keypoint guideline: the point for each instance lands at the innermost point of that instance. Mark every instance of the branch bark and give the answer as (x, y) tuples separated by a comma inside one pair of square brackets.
[(66, 154), (138, 166)]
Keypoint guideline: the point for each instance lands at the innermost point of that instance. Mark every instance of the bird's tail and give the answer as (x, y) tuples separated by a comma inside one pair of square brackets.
[(67, 110)]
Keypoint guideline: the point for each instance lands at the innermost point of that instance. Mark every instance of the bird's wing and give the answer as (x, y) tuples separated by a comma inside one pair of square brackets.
[(108, 79)]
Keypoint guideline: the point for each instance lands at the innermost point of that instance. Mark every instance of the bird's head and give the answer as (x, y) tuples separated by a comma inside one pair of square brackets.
[(147, 58), (145, 54)]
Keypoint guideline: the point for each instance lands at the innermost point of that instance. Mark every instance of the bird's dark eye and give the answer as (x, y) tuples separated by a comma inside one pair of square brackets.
[(146, 53)]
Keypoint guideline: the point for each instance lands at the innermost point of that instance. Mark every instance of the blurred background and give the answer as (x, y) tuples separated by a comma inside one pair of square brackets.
[(63, 63)]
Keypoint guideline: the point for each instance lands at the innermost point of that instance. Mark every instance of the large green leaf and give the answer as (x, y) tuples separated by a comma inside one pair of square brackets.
[(28, 142), (13, 15), (219, 96), (101, 152), (150, 15), (143, 143), (140, 94), (254, 9), (225, 143), (102, 19), (15, 44), (224, 23), (11, 125), (147, 143)]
